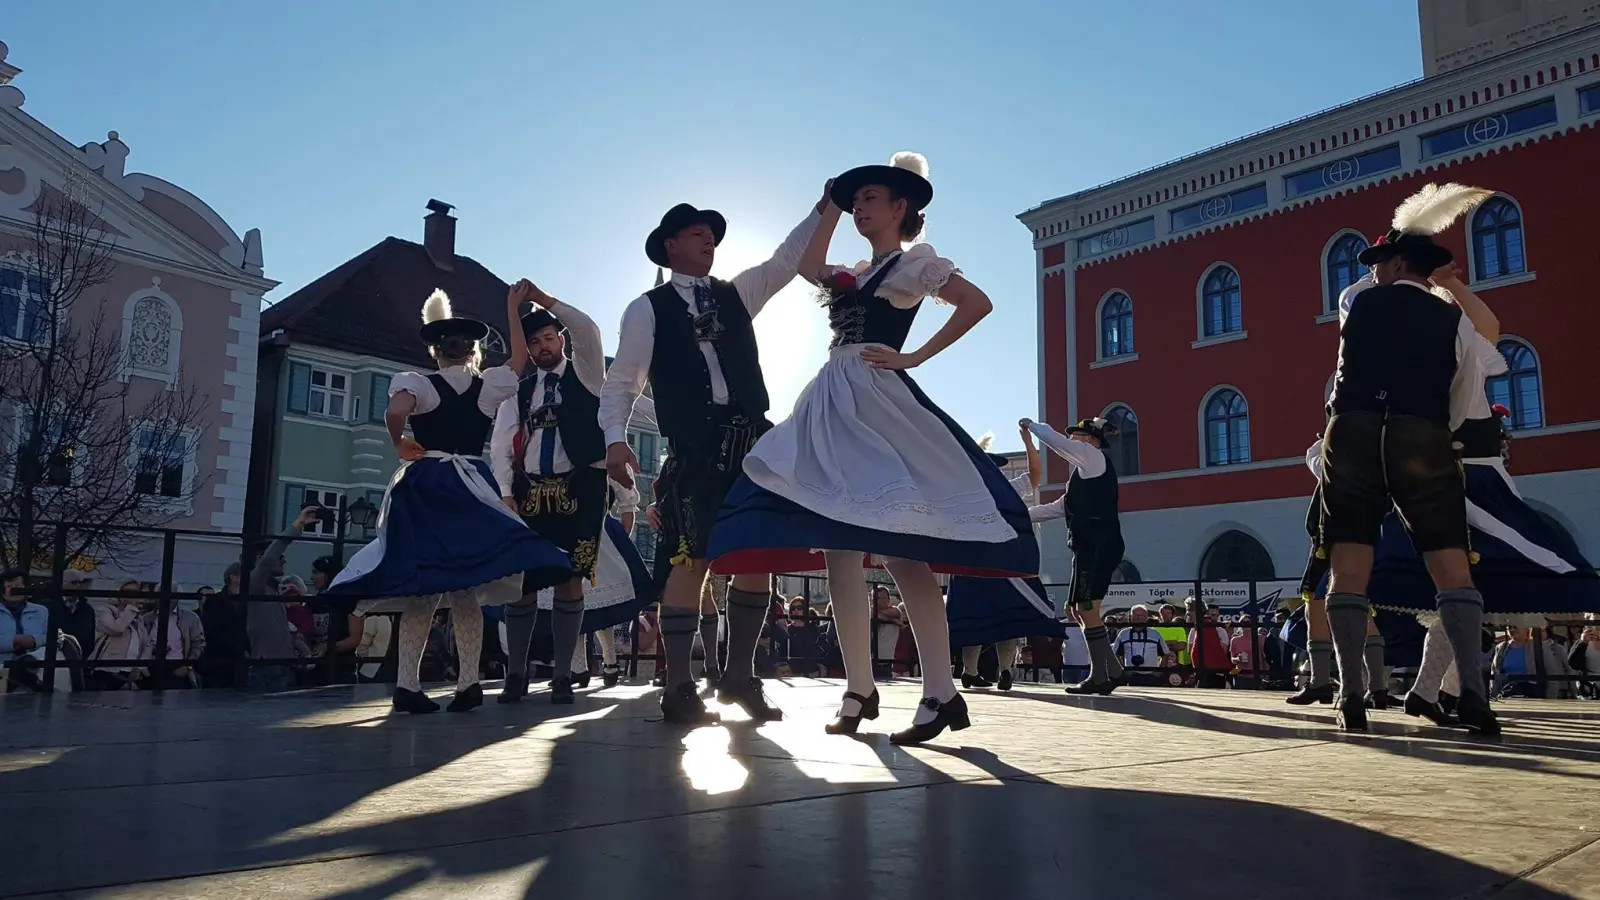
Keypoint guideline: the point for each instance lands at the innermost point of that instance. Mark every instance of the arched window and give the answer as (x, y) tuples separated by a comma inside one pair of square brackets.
[(1123, 450), (1126, 573), (1220, 303), (1497, 240), (1116, 326), (1519, 389), (495, 349), (1227, 429), (1236, 556), (1343, 268), (152, 334)]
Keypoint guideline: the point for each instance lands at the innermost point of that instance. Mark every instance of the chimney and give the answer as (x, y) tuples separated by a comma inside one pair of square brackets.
[(439, 235)]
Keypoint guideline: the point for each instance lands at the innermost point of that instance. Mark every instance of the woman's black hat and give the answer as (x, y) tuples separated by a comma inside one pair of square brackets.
[(438, 322), (677, 219), (1419, 247), (906, 176)]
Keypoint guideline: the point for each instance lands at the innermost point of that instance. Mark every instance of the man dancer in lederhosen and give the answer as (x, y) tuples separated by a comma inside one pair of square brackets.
[(693, 338)]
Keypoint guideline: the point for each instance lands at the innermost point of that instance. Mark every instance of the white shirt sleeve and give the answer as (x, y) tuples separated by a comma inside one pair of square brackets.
[(757, 285), (1086, 458), (625, 379), (588, 351), (1314, 459), (502, 445), (921, 272), (1348, 295), (417, 385), (1024, 486), (1476, 360), (1049, 511), (499, 383)]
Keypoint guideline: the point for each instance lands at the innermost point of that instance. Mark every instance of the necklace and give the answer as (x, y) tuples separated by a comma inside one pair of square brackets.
[(879, 259)]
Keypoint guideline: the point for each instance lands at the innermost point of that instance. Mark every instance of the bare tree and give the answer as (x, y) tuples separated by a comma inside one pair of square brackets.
[(80, 442)]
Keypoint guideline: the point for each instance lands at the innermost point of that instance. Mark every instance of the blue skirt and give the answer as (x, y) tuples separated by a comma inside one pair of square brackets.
[(622, 585), (866, 462), (443, 529), (1525, 566), (988, 610)]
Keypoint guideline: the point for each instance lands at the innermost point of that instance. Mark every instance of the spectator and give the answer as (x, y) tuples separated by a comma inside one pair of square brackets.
[(223, 617), (887, 618), (302, 621), (1208, 645), (375, 649), (346, 631), (1248, 649), (23, 628), (186, 639), (73, 612), (1584, 659), (1074, 656), (1518, 666), (267, 623), (118, 639), (805, 639), (1139, 646)]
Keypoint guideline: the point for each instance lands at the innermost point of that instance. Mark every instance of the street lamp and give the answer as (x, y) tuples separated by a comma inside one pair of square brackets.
[(361, 514)]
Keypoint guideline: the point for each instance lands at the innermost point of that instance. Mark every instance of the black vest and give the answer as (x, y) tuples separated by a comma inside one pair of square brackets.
[(456, 425), (680, 381), (1092, 502), (1480, 438), (862, 317), (1397, 354), (576, 415)]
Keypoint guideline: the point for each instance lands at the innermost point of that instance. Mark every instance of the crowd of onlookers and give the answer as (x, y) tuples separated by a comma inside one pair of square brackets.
[(306, 641)]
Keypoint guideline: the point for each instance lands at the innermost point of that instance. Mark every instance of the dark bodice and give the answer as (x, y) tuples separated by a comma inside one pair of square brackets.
[(863, 317), (456, 425)]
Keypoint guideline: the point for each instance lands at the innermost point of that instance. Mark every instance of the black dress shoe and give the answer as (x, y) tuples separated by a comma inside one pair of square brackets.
[(1309, 695), (466, 700), (1475, 714), (750, 698), (975, 681), (515, 689), (1419, 708), (951, 714), (844, 724), (1379, 700), (1005, 680), (1094, 688), (610, 675), (1353, 714), (682, 706), (561, 691), (580, 680), (414, 702)]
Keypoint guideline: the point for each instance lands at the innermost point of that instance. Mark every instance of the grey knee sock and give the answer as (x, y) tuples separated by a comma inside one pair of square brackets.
[(566, 624), (1347, 619), (1100, 655), (1377, 678), (1321, 654), (747, 612), (677, 640), (519, 636), (1461, 611), (708, 639)]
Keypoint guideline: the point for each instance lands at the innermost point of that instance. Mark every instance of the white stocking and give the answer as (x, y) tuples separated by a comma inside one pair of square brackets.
[(580, 655), (608, 645), (852, 624), (969, 660), (415, 623), (931, 627), (466, 620), (1437, 658), (1452, 680), (1006, 655)]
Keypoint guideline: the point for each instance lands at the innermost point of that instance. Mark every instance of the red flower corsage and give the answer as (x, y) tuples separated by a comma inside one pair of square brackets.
[(842, 282)]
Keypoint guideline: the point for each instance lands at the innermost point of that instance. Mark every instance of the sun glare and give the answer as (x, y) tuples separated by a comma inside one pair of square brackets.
[(791, 330)]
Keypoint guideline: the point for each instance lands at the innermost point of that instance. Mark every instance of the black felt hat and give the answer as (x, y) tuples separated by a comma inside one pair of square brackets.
[(677, 219), (1419, 247), (1095, 427), (906, 175), (999, 459), (537, 319), (438, 322)]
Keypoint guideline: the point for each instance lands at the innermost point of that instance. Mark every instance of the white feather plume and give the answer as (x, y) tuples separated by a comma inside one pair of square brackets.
[(985, 441), (436, 307), (915, 163), (1435, 207)]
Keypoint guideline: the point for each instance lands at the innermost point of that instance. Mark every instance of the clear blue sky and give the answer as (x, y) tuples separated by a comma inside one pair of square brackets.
[(562, 131)]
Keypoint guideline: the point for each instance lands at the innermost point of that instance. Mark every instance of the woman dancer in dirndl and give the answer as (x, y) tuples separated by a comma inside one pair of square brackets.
[(443, 532), (867, 464)]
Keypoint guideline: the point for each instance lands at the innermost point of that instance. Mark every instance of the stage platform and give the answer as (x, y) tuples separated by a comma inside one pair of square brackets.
[(1150, 793)]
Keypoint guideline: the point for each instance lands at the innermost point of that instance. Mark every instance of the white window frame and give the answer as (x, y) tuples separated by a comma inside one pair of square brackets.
[(1488, 284), (327, 390), (1330, 302), (15, 416), (1200, 428), (191, 468), (169, 374), (1201, 340), (323, 496), (1100, 359)]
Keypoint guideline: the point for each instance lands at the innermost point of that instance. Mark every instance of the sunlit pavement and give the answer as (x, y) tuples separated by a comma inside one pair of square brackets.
[(1223, 794)]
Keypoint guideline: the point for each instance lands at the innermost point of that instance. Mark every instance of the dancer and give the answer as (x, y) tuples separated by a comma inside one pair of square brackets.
[(621, 588), (1402, 353), (693, 339), (867, 464), (1094, 535), (1003, 611), (442, 529), (548, 453)]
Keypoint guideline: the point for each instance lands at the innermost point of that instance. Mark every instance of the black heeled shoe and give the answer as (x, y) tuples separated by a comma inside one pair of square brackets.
[(466, 700), (951, 714), (414, 702), (1352, 715), (1419, 708), (1308, 695), (1094, 688), (515, 689), (580, 680), (1005, 680), (975, 681), (843, 724), (1379, 700), (610, 675), (1475, 714)]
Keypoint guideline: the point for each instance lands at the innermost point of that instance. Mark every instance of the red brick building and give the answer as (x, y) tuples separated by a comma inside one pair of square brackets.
[(1192, 301)]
